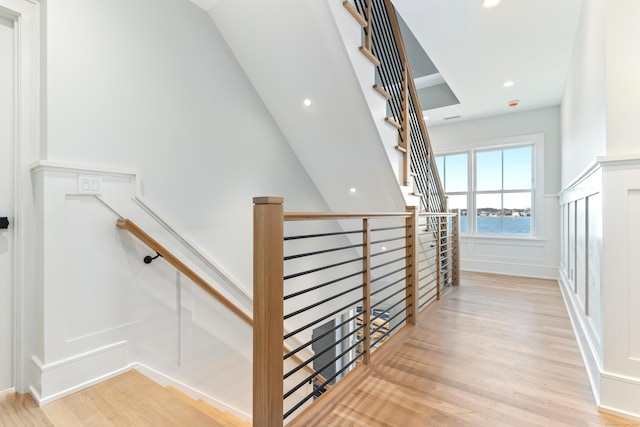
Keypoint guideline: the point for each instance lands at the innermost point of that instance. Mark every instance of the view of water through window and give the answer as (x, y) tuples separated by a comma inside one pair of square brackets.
[(489, 224), (498, 195)]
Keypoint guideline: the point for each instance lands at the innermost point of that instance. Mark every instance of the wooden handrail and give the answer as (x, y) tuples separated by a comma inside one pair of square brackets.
[(128, 225), (303, 216), (408, 90), (269, 220), (393, 19)]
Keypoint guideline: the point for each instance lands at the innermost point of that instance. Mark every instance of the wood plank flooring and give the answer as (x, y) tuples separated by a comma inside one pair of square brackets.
[(496, 351), (130, 399)]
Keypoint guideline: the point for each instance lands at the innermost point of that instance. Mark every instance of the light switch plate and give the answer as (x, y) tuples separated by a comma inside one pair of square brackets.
[(89, 184)]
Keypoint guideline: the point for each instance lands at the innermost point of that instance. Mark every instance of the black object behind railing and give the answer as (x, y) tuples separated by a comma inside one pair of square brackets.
[(325, 297)]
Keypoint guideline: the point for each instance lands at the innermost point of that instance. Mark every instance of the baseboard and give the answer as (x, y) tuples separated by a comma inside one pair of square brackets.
[(510, 269), (58, 379), (588, 351), (165, 380), (620, 395), (618, 413)]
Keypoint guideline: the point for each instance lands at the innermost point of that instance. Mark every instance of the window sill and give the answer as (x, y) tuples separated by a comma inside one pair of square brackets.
[(502, 237)]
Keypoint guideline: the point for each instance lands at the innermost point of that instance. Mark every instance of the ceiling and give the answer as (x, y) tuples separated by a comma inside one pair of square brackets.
[(475, 50), (291, 50), (471, 51)]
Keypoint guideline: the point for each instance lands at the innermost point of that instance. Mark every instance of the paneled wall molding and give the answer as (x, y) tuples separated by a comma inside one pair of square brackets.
[(510, 268), (576, 189), (66, 376), (600, 276), (585, 336), (136, 196)]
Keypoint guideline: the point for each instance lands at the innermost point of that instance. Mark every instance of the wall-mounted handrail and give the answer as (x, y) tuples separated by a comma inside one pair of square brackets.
[(128, 225)]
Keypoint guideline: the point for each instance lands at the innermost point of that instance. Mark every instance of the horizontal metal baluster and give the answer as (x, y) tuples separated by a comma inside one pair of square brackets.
[(325, 317), (319, 303)]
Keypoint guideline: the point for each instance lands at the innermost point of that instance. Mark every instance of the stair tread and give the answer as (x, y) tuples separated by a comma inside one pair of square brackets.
[(354, 12), (366, 52), (393, 123), (224, 417), (127, 399)]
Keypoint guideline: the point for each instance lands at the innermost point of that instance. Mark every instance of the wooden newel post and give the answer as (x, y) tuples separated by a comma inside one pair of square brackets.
[(412, 266), (268, 331)]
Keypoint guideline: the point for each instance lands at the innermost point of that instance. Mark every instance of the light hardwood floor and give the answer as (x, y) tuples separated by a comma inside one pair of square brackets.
[(496, 351), (130, 399)]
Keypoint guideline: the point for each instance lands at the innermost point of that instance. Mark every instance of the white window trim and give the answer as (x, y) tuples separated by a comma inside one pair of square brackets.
[(471, 147)]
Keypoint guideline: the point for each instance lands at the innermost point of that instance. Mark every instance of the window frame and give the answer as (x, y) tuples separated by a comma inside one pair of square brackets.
[(536, 141)]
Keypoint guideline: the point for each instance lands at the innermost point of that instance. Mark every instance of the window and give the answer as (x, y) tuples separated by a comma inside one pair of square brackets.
[(497, 187), (454, 173)]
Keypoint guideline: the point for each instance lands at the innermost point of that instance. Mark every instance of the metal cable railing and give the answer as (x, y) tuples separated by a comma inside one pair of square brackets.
[(340, 285), (394, 75), (330, 281)]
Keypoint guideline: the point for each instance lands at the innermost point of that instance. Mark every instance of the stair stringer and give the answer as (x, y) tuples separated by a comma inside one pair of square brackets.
[(291, 49), (131, 314), (351, 33)]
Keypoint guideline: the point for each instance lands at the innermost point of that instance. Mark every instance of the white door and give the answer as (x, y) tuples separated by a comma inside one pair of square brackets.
[(7, 118)]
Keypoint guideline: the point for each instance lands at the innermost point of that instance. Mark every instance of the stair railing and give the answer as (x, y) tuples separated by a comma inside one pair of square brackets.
[(344, 284), (130, 226), (383, 45), (161, 251)]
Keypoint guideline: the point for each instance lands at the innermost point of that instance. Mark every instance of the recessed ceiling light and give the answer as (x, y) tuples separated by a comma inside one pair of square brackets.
[(352, 189), (384, 248), (489, 3), (426, 117), (508, 83), (513, 103), (307, 102)]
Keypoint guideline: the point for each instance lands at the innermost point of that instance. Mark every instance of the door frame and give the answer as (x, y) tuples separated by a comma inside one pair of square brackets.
[(25, 15)]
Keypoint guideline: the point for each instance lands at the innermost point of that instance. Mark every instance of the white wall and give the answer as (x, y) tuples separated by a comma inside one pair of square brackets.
[(583, 104), (535, 256), (601, 136), (622, 83), (152, 86)]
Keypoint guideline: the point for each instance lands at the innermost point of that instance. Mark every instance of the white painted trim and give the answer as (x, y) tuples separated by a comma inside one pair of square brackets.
[(600, 162), (76, 168), (619, 413), (70, 360), (44, 166), (588, 351), (503, 239), (43, 401), (48, 165), (195, 251), (510, 269), (165, 380), (617, 160), (26, 17), (625, 393), (537, 140), (91, 373)]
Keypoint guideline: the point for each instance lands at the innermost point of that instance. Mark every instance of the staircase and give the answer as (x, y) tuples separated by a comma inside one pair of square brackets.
[(223, 417)]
